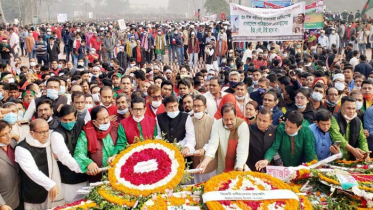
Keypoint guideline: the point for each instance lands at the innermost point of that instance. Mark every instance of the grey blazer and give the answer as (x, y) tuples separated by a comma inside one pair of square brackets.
[(9, 180)]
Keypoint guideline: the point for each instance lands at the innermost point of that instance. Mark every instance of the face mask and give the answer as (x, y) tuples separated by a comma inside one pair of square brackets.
[(20, 113), (348, 119), (1, 96), (255, 82), (11, 80), (159, 33), (223, 60), (190, 113), (297, 46), (96, 97), (198, 115), (11, 118), (357, 88), (173, 114), (339, 86), (104, 127), (331, 103), (69, 125), (232, 65), (239, 98), (265, 55), (322, 35), (300, 107), (294, 134), (52, 94), (32, 64), (59, 66), (300, 69), (156, 104), (80, 64), (368, 97), (138, 119), (62, 90), (233, 84), (111, 64), (359, 105), (261, 90), (88, 106), (316, 96), (123, 112)]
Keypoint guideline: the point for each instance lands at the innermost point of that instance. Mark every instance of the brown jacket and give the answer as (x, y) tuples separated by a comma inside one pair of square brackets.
[(224, 48), (202, 129), (30, 42)]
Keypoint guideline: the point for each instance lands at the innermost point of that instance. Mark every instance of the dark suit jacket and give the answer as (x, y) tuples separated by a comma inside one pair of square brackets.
[(134, 55), (53, 53), (259, 143), (364, 68), (9, 180)]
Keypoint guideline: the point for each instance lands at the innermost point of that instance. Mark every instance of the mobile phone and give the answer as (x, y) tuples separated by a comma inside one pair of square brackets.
[(337, 143)]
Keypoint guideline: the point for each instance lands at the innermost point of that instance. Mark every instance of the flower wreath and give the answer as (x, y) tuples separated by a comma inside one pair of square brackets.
[(147, 167), (80, 204), (248, 181), (162, 202), (114, 197), (363, 180)]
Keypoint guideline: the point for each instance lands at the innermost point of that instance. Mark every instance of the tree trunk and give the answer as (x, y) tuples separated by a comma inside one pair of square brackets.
[(2, 13)]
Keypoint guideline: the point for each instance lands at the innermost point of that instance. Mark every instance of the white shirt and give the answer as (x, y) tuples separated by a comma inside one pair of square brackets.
[(354, 61), (60, 149), (189, 140), (248, 53), (324, 41), (219, 143), (14, 39), (27, 163)]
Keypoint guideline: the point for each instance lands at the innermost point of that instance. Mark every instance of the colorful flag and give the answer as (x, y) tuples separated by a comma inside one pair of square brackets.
[(367, 7)]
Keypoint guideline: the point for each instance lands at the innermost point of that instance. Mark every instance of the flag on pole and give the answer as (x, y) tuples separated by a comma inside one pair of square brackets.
[(367, 7)]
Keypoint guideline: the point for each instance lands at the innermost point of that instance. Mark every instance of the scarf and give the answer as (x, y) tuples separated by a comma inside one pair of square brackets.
[(54, 172), (138, 54), (311, 38), (230, 157), (93, 135), (144, 42), (160, 43)]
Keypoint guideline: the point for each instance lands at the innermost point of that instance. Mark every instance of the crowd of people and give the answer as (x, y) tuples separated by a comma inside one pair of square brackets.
[(230, 106)]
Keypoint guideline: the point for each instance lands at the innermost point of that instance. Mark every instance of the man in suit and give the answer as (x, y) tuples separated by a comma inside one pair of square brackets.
[(262, 135), (9, 182), (364, 67), (138, 53), (53, 50)]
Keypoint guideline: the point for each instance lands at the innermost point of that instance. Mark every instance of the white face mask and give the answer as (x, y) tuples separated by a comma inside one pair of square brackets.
[(173, 114), (96, 97), (88, 106), (359, 105), (198, 115), (138, 119), (11, 80), (32, 64), (156, 104), (122, 112), (80, 63), (340, 86)]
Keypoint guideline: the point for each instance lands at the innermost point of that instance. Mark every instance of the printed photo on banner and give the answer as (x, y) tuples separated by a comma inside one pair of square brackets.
[(257, 24), (275, 4)]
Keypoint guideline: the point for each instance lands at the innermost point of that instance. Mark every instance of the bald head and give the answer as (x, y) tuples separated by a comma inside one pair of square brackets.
[(39, 129)]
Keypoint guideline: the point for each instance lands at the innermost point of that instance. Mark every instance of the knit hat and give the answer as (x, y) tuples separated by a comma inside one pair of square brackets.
[(318, 79)]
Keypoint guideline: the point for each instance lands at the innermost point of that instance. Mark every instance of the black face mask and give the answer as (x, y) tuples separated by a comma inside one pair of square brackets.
[(260, 58)]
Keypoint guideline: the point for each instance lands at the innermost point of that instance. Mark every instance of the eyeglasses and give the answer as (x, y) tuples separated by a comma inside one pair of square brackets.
[(198, 106), (156, 98), (43, 133), (138, 109)]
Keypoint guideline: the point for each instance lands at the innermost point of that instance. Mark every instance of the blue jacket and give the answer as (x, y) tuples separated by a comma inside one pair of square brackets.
[(277, 113), (364, 68), (322, 142), (368, 125)]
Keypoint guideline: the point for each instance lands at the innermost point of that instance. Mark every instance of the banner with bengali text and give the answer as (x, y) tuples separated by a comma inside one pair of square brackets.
[(314, 15), (261, 3), (256, 24)]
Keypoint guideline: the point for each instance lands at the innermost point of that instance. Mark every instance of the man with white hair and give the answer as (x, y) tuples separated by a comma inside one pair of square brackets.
[(334, 39), (323, 40)]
